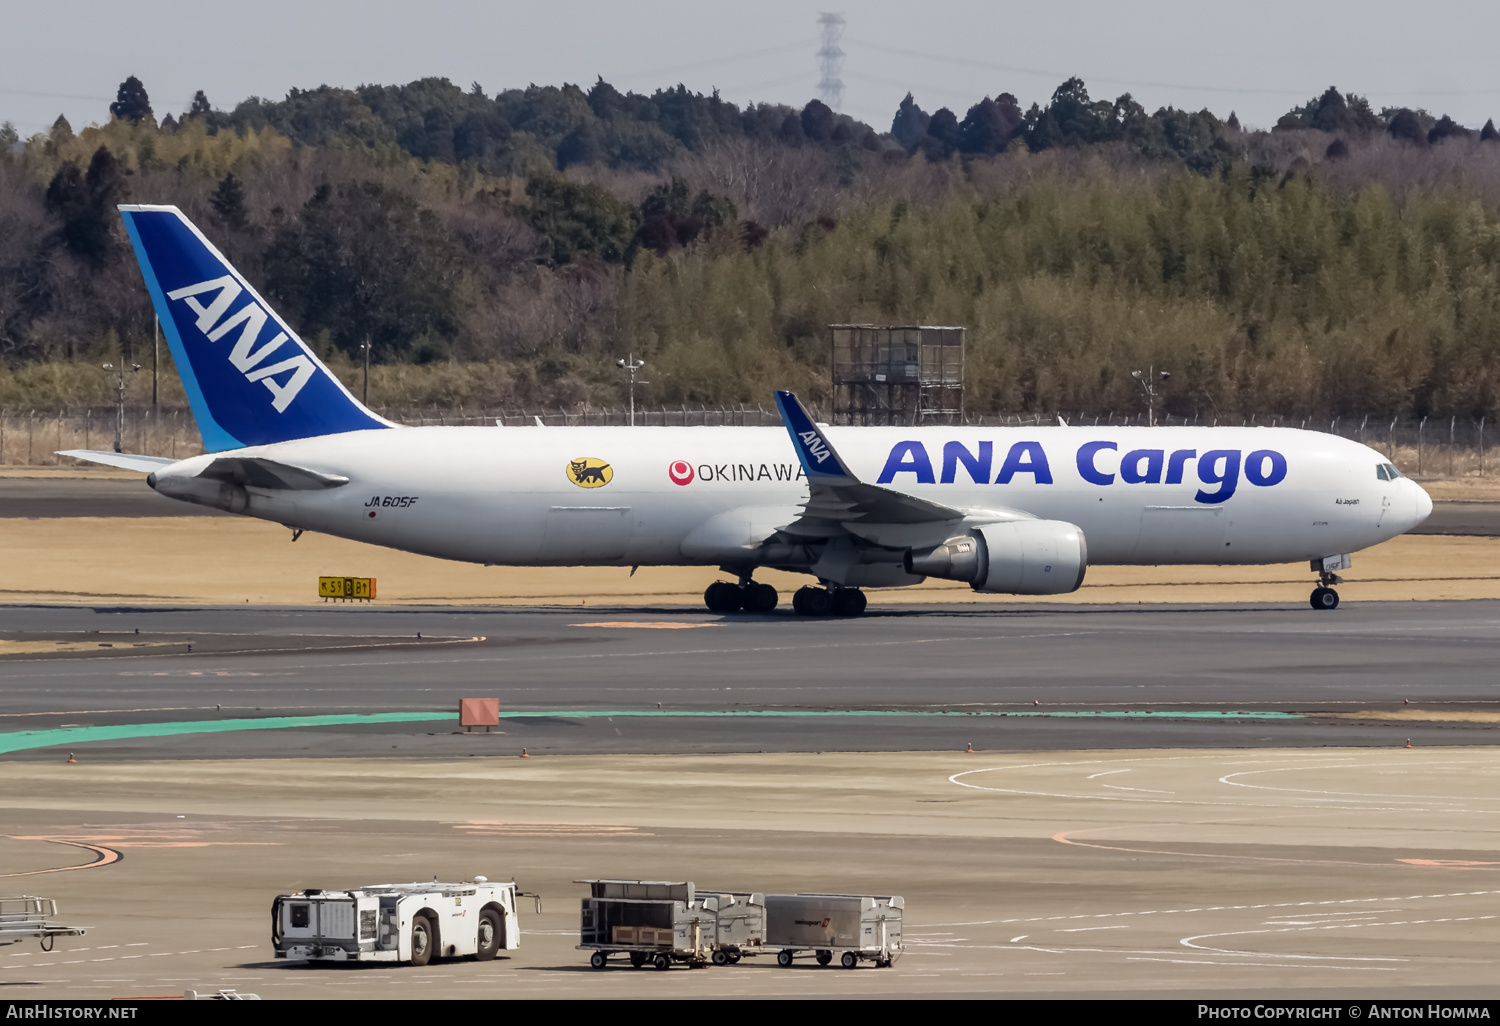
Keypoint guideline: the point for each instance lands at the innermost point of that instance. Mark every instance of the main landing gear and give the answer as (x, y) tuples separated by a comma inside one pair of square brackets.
[(810, 601), (723, 597)]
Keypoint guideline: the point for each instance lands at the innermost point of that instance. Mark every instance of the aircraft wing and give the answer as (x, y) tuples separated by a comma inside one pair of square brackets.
[(836, 498)]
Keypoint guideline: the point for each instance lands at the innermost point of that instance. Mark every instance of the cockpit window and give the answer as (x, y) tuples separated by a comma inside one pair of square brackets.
[(1387, 472), (1380, 472)]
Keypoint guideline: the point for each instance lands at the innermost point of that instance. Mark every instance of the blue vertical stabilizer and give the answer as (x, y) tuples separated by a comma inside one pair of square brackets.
[(249, 378)]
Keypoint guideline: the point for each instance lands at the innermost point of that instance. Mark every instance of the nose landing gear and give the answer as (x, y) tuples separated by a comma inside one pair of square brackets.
[(1323, 596)]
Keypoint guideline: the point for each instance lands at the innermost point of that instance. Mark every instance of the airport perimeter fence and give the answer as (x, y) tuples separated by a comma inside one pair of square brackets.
[(1447, 447)]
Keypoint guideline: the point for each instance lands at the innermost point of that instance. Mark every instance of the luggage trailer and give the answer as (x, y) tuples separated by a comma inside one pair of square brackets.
[(849, 927), (26, 917), (413, 922), (660, 922)]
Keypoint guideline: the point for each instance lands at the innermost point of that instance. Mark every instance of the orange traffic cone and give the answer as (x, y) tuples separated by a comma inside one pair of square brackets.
[(524, 755), (1408, 742), (970, 749), (71, 759)]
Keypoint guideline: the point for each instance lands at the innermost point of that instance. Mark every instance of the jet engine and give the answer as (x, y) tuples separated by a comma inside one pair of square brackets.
[(1021, 557)]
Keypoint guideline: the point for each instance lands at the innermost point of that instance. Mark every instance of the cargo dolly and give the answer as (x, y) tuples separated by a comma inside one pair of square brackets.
[(25, 917), (849, 927), (652, 922)]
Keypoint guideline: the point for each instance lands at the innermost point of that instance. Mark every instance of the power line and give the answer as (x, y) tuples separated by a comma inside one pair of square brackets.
[(717, 62), (53, 96), (1137, 83), (1040, 73)]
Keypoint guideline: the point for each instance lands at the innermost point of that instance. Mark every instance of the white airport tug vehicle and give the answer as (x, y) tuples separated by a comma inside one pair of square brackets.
[(413, 922)]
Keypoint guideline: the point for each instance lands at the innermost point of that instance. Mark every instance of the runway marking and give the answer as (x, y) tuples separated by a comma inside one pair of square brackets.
[(1188, 941), (105, 856), (1261, 965), (1086, 929), (21, 740), (1398, 805), (1450, 863), (1062, 838), (1337, 796), (15, 741), (495, 826), (663, 625), (1219, 908)]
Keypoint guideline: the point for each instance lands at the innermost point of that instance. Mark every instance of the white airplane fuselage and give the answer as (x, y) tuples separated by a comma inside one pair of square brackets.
[(708, 495)]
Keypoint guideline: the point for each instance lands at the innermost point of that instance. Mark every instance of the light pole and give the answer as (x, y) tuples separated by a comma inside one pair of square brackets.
[(120, 402), (631, 364), (1148, 382), (365, 345)]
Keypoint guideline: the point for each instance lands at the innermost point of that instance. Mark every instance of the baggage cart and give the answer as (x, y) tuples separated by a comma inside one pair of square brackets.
[(652, 922), (412, 923), (26, 917), (848, 927), (741, 926)]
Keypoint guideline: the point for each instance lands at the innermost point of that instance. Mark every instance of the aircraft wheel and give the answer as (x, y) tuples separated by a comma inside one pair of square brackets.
[(1325, 598), (811, 601), (722, 597), (760, 598), (849, 602)]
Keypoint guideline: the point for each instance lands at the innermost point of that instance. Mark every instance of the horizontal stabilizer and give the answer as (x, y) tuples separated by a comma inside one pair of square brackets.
[(255, 472), (123, 460)]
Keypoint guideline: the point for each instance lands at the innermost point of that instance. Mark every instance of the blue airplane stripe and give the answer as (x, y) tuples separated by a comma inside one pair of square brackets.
[(215, 438)]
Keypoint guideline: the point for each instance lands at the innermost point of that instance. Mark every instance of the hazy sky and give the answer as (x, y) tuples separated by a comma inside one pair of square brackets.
[(68, 56)]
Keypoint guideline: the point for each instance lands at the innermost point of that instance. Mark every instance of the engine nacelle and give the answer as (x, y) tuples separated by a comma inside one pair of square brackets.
[(1021, 557)]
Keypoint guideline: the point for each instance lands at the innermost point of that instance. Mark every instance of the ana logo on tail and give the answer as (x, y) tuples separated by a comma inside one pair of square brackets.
[(815, 446), (244, 356)]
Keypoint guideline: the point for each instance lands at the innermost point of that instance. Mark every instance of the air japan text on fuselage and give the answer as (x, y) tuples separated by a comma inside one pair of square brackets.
[(1219, 469)]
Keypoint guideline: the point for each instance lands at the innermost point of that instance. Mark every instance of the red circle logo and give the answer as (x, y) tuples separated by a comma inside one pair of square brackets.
[(681, 472)]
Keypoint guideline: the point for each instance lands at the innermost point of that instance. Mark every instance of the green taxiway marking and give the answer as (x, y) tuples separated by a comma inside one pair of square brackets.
[(21, 740)]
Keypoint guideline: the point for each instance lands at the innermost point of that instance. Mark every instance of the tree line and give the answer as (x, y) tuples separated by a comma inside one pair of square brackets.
[(508, 247)]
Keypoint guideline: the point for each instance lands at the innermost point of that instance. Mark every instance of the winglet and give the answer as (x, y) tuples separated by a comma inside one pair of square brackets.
[(819, 460)]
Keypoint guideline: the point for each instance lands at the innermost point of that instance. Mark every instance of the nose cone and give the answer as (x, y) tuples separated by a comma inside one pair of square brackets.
[(1424, 504)]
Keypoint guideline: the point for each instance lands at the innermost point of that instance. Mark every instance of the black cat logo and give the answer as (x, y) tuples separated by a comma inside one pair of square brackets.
[(590, 473)]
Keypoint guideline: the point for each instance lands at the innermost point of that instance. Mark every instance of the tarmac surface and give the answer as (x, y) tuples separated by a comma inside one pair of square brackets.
[(1333, 873), (1189, 801), (650, 681)]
